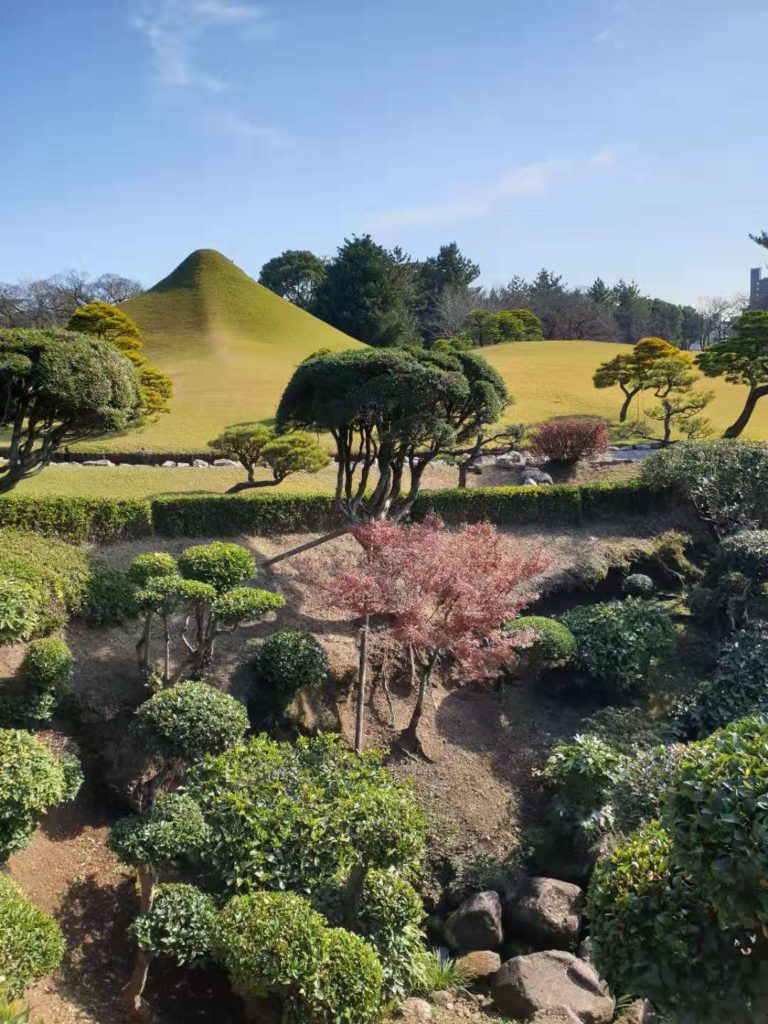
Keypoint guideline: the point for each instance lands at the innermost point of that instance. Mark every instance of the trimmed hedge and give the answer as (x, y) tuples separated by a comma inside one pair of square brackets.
[(225, 515)]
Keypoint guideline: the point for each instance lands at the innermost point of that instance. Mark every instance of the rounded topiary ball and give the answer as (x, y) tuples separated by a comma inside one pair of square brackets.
[(555, 644), (150, 566), (288, 660), (221, 565), (639, 585), (191, 720)]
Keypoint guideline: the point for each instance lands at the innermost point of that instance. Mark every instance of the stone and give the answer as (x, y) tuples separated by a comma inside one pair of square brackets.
[(226, 463), (510, 460), (200, 464), (584, 952), (555, 1015), (545, 912), (443, 999), (415, 1011), (480, 964), (528, 482), (98, 462), (476, 925), (182, 465), (533, 473), (168, 464), (542, 981)]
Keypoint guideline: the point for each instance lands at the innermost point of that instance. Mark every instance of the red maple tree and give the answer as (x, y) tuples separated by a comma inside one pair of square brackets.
[(443, 593)]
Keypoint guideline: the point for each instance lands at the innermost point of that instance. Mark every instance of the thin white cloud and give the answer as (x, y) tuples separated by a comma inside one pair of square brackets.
[(604, 159), (244, 128), (176, 29), (480, 200)]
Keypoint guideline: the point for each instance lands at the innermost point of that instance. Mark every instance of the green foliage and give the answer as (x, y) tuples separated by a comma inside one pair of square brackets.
[(32, 780), (641, 785), (31, 943), (45, 670), (77, 519), (295, 452), (180, 924), (242, 604), (172, 827), (244, 442), (151, 566), (276, 944), (287, 661), (389, 917), (742, 359), (12, 1011), (738, 688), (109, 596), (747, 553), (580, 776), (639, 585), (58, 572), (294, 275), (725, 481), (646, 919), (437, 974), (21, 609), (294, 816), (222, 566), (620, 641), (554, 645), (191, 720)]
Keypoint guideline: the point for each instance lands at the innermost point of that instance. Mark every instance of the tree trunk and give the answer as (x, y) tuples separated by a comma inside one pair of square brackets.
[(756, 393), (409, 737), (463, 471), (147, 880), (362, 673), (142, 648), (625, 406), (167, 661), (246, 485), (133, 993), (353, 893)]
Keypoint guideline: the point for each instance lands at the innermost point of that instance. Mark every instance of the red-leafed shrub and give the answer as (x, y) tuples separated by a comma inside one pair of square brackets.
[(568, 441)]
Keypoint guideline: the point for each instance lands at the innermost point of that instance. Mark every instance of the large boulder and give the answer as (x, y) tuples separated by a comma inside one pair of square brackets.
[(542, 981), (480, 965), (537, 475), (476, 925), (545, 912)]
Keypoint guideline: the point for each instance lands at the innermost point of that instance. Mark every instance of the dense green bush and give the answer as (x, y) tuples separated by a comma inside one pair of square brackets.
[(580, 777), (726, 481), (654, 934), (288, 660), (746, 553), (389, 917), (641, 785), (171, 827), (215, 515), (78, 519), (180, 924), (738, 688), (109, 596), (276, 944), (31, 943), (221, 566), (32, 780), (554, 645), (45, 670), (190, 721), (620, 641), (21, 609), (150, 566), (638, 585), (294, 816)]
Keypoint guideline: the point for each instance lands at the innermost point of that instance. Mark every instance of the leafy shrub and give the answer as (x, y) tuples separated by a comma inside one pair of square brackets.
[(109, 596), (32, 780), (440, 974), (150, 566), (294, 816), (646, 918), (629, 730), (58, 571), (180, 924), (244, 604), (171, 827), (287, 661), (21, 609), (746, 553), (275, 943), (222, 566), (581, 776), (77, 519), (554, 643), (641, 785), (569, 440), (31, 943), (46, 668), (620, 641), (11, 1010), (726, 481), (190, 721), (638, 585), (389, 916), (738, 688)]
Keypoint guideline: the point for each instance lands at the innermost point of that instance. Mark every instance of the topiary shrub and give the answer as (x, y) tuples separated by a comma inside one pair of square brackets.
[(275, 944), (738, 688), (31, 943), (172, 826), (109, 596), (621, 641), (554, 647), (222, 566), (180, 924), (45, 670), (746, 553), (32, 780), (638, 585), (150, 566), (389, 917), (191, 720), (287, 661), (567, 441)]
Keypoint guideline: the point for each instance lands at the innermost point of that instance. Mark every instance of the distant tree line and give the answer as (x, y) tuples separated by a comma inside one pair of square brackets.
[(51, 301), (384, 297)]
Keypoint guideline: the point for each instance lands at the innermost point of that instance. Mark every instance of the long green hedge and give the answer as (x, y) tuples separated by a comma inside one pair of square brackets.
[(220, 515)]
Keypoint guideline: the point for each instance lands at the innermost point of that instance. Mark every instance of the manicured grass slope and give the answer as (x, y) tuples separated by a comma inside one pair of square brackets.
[(229, 344), (554, 378)]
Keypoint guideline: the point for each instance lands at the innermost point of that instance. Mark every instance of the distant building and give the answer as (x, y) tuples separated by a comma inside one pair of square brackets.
[(758, 289)]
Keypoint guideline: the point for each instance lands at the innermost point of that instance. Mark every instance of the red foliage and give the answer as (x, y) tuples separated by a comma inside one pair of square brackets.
[(446, 593), (569, 440)]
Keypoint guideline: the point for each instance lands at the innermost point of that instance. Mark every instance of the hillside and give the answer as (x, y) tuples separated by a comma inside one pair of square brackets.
[(229, 344)]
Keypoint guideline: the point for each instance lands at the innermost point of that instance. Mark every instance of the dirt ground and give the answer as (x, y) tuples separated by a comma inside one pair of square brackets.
[(483, 742)]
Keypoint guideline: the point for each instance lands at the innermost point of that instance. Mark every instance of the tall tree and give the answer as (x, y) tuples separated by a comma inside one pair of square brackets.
[(101, 320), (295, 274), (742, 359), (448, 272), (368, 293), (632, 372), (600, 292), (57, 388)]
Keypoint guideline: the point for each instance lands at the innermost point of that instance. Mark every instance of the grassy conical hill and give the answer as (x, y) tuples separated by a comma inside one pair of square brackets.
[(229, 344)]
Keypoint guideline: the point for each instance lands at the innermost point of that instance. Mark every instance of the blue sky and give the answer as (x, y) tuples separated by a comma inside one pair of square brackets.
[(612, 137)]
